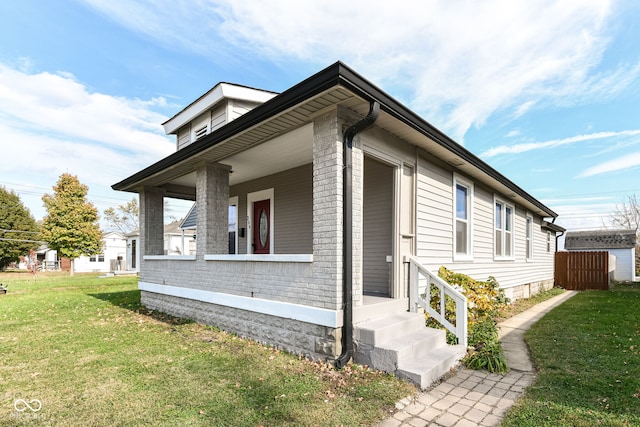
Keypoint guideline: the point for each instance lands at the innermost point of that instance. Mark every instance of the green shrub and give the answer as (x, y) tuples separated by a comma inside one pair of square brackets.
[(485, 349), (484, 300), (489, 357)]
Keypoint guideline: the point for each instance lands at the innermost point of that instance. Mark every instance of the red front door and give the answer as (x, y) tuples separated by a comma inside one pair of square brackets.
[(261, 226)]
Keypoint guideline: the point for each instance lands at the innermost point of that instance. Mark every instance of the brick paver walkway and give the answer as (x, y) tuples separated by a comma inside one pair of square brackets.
[(478, 398)]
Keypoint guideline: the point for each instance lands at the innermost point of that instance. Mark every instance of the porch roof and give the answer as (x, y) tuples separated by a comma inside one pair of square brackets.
[(299, 105)]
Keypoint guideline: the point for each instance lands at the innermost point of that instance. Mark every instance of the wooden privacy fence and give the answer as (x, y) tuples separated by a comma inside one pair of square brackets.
[(582, 270)]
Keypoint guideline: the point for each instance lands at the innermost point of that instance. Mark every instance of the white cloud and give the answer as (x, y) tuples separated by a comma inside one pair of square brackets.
[(553, 143), (51, 124), (57, 103), (628, 161), (454, 62)]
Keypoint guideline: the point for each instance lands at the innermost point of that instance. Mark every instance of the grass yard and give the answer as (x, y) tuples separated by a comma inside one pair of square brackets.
[(588, 355), (92, 356)]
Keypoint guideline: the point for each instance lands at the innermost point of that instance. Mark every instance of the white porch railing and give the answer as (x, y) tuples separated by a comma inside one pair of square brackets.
[(421, 282)]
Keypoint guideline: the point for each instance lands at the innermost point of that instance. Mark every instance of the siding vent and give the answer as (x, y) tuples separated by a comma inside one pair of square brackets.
[(199, 133)]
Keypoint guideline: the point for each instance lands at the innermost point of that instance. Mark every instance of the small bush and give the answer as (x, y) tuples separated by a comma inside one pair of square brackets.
[(484, 300), (489, 357), (486, 352)]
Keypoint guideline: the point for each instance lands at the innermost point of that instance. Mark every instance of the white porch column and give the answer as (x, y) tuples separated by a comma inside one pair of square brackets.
[(212, 197)]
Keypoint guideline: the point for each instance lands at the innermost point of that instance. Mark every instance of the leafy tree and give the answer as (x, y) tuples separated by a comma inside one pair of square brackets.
[(627, 215), (71, 225), (125, 217), (18, 229)]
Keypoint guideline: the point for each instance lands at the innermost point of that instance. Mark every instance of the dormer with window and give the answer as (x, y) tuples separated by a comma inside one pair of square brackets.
[(222, 104)]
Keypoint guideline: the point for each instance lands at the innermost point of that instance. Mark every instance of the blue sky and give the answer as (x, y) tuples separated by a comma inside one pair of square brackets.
[(546, 92)]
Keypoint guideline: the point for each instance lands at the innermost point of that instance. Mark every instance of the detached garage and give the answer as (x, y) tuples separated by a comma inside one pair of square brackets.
[(619, 243)]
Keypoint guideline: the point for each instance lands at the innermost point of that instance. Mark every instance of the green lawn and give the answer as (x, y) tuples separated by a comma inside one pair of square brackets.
[(87, 350), (588, 355)]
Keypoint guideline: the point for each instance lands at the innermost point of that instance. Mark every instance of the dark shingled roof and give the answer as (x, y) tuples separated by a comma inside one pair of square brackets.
[(600, 239)]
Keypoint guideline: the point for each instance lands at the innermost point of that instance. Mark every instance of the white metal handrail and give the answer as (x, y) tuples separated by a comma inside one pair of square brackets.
[(420, 282)]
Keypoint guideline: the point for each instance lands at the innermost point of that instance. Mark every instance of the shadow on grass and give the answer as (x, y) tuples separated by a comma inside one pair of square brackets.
[(130, 300)]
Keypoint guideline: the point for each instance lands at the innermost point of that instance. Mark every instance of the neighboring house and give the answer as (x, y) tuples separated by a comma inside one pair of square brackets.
[(189, 225), (133, 250), (112, 257), (347, 203), (176, 241), (619, 243), (47, 258)]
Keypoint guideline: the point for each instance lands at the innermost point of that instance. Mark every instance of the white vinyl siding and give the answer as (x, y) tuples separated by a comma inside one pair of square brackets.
[(434, 214), (218, 118), (435, 231), (462, 223), (237, 108), (184, 136)]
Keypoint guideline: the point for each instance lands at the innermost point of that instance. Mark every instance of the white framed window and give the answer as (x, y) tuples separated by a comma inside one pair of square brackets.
[(529, 237), (548, 241), (462, 219), (503, 226), (96, 258)]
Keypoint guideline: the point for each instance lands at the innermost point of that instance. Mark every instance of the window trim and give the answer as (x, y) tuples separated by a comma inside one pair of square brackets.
[(548, 241), (505, 205), (97, 257), (528, 235), (460, 181)]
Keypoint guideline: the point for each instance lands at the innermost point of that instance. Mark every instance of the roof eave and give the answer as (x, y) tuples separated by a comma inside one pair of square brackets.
[(334, 75), (553, 227)]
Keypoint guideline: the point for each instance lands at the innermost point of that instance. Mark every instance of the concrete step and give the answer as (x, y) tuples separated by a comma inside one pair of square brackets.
[(390, 355), (387, 328), (376, 307), (400, 343), (426, 369)]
